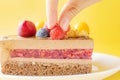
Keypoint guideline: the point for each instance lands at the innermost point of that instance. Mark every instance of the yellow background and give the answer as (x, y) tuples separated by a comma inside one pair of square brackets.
[(103, 19)]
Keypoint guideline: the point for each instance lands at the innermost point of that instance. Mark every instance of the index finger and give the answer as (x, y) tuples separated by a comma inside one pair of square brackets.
[(51, 12)]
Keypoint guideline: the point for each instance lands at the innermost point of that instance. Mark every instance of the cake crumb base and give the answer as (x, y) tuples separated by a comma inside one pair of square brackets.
[(44, 69)]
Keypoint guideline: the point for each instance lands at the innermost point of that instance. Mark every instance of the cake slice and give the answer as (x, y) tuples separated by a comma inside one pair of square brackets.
[(33, 56)]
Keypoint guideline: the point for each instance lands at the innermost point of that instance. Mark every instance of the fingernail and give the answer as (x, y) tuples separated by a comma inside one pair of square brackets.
[(50, 25)]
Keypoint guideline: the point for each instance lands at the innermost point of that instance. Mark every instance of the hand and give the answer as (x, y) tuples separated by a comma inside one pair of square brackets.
[(70, 9)]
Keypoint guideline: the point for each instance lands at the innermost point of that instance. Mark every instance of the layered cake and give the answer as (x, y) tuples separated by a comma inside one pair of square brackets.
[(46, 56)]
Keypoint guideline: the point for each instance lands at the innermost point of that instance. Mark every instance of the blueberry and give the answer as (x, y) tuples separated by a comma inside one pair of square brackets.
[(42, 33)]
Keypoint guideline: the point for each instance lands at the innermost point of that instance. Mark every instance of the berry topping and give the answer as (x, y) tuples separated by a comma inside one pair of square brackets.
[(71, 34), (26, 29), (82, 27), (39, 25), (42, 33), (82, 33), (57, 33)]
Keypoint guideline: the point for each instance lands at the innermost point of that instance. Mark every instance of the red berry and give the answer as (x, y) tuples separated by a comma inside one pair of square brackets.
[(57, 33), (26, 29)]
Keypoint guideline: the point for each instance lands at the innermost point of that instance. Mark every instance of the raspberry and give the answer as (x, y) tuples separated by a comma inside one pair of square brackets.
[(57, 33)]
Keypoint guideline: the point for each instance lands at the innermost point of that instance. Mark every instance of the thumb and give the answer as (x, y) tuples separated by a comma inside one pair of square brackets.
[(70, 9)]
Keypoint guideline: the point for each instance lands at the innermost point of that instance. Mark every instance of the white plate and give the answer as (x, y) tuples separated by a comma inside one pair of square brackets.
[(103, 66)]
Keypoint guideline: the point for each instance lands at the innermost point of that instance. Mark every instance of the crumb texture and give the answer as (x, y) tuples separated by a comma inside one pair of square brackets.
[(44, 69)]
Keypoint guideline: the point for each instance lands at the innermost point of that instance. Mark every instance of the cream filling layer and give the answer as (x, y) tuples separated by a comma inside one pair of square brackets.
[(47, 44), (56, 61)]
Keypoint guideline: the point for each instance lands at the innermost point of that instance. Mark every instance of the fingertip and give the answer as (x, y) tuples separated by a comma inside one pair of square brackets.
[(64, 23), (51, 24)]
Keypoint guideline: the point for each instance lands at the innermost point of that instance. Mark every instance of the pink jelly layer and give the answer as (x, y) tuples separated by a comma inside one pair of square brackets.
[(52, 54)]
